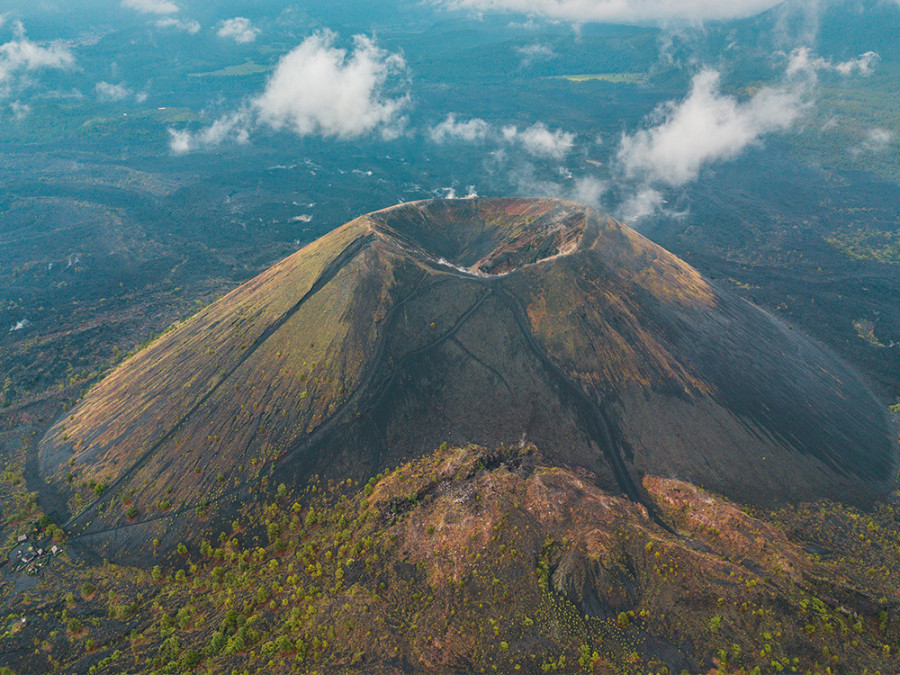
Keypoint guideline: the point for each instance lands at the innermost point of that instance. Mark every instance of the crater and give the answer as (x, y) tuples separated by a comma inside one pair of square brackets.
[(486, 237)]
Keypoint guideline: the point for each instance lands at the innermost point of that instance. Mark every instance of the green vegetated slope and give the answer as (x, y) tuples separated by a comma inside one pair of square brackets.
[(485, 321), (475, 560)]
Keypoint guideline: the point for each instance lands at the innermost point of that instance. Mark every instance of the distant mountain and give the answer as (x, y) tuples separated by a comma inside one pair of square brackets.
[(491, 321)]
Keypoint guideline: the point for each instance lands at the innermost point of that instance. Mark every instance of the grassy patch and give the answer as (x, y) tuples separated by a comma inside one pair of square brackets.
[(614, 78), (249, 67)]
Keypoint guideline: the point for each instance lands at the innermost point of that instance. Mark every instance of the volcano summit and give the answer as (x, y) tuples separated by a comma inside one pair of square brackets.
[(490, 321)]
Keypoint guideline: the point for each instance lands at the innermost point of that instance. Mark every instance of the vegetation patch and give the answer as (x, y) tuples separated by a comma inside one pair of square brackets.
[(614, 78), (484, 561), (867, 243)]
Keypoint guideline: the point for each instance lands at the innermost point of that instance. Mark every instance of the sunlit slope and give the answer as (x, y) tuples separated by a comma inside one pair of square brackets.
[(484, 321)]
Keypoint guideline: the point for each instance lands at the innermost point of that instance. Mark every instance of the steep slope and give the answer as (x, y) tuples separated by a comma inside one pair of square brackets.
[(486, 321)]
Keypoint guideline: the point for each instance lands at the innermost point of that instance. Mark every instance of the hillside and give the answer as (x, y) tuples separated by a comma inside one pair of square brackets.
[(476, 560), (483, 321)]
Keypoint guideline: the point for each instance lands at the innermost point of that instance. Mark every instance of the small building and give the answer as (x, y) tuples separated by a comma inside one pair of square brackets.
[(22, 537)]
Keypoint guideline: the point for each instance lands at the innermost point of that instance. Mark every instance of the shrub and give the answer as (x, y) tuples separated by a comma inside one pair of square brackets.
[(170, 648), (190, 659), (216, 643)]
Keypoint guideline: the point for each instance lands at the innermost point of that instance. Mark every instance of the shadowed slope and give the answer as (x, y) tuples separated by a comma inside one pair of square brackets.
[(486, 321)]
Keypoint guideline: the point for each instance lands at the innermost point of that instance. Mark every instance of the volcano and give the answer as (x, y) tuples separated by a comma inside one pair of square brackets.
[(487, 321)]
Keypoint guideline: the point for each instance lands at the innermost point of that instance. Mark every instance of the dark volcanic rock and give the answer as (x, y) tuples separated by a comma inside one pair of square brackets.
[(487, 321)]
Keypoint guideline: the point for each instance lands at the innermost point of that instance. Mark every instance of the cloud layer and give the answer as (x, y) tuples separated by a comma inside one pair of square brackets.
[(620, 11)]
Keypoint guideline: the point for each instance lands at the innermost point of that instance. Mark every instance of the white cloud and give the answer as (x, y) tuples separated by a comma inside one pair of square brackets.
[(235, 127), (151, 6), (539, 141), (112, 92), (316, 89), (588, 190), (864, 65), (531, 180), (187, 25), (320, 89), (645, 202), (181, 141), (21, 54), (20, 110), (620, 11), (451, 193), (19, 325), (802, 61), (471, 130), (705, 127), (535, 52), (239, 29), (876, 140)]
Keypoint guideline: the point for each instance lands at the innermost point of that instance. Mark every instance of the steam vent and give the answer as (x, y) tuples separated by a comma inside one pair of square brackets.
[(482, 321)]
